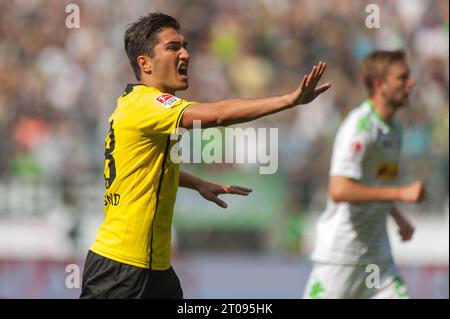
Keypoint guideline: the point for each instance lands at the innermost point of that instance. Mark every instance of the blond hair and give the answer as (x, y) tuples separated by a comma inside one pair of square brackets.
[(376, 64)]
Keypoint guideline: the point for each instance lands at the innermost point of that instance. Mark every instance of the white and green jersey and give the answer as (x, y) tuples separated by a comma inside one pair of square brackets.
[(366, 149)]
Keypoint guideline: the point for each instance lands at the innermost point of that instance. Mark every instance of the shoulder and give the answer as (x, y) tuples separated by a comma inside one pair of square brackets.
[(154, 98), (358, 121), (141, 95)]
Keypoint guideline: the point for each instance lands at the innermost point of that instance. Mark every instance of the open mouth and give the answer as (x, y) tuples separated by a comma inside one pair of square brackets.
[(183, 70)]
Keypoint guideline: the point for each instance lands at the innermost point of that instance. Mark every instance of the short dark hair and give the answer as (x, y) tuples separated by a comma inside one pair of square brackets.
[(376, 64), (142, 36)]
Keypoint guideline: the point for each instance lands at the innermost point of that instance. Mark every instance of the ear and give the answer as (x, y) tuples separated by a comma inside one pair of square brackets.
[(145, 63), (377, 85)]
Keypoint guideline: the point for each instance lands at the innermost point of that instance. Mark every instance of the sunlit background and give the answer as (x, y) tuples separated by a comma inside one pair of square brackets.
[(59, 85)]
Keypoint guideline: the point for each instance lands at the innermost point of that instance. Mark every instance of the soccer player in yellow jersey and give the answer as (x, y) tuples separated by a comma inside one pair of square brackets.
[(130, 257)]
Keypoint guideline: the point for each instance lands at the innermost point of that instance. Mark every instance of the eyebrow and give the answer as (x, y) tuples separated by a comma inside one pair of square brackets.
[(406, 73), (183, 43)]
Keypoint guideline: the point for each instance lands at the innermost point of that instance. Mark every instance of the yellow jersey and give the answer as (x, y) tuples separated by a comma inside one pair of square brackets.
[(140, 179)]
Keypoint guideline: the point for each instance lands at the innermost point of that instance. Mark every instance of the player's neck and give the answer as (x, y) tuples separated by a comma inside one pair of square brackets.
[(383, 108), (150, 83)]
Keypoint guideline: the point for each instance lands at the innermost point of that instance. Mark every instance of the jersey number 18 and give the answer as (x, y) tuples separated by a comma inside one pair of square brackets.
[(109, 158)]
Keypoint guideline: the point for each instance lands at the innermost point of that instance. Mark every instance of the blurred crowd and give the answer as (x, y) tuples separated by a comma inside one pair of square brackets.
[(59, 85)]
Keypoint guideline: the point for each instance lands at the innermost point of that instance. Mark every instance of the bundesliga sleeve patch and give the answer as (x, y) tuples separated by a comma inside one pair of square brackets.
[(167, 100), (357, 147)]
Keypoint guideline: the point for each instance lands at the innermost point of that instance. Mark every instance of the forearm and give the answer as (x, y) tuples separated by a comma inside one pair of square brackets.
[(397, 216), (346, 190), (234, 111), (189, 181)]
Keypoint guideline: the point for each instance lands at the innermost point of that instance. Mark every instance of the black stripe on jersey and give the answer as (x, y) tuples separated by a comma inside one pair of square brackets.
[(177, 123), (129, 88), (157, 197)]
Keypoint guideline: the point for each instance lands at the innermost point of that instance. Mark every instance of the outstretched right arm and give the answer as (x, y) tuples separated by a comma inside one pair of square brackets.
[(234, 111)]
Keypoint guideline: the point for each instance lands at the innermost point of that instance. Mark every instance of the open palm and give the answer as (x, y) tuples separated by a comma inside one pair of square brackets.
[(308, 90)]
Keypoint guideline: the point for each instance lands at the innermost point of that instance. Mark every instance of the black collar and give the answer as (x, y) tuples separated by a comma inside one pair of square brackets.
[(130, 87)]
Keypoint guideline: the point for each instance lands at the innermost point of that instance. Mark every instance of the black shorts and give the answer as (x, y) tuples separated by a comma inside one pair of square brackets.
[(107, 278)]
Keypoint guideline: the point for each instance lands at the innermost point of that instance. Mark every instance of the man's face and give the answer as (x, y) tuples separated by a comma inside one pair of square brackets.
[(397, 84), (170, 63)]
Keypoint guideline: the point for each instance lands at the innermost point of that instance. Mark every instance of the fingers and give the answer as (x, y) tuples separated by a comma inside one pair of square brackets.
[(226, 189), (406, 232), (245, 189), (322, 69), (303, 83), (404, 236), (414, 192), (219, 202), (316, 73), (322, 88), (318, 68), (319, 71), (237, 190), (311, 75)]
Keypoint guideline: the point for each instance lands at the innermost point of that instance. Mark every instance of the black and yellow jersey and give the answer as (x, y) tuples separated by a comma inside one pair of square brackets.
[(141, 181)]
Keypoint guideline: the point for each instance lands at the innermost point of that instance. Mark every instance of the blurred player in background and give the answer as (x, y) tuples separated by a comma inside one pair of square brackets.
[(351, 233), (131, 254)]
